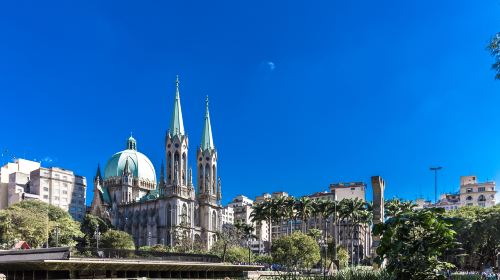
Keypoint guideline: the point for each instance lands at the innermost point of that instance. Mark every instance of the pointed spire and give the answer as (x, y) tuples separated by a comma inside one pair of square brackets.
[(126, 169), (177, 124), (207, 141), (98, 173)]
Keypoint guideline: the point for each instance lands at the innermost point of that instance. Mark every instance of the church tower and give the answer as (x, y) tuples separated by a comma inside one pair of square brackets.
[(209, 193), (176, 151)]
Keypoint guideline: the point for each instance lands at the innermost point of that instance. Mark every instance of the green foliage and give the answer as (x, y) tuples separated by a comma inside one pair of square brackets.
[(116, 239), (414, 242), (264, 259), (89, 226), (238, 254), (28, 220), (296, 251), (478, 236), (494, 49), (156, 248), (343, 256), (228, 237)]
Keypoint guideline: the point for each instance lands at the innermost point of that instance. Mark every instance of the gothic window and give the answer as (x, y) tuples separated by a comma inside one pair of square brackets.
[(481, 198), (169, 216), (184, 167), (207, 177), (200, 169), (184, 214), (214, 221), (176, 167), (213, 179), (169, 166)]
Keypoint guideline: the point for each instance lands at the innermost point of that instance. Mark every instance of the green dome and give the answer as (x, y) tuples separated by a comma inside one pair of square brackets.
[(138, 164)]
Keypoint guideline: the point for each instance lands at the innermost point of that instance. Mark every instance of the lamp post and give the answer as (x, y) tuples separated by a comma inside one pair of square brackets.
[(97, 236), (435, 169)]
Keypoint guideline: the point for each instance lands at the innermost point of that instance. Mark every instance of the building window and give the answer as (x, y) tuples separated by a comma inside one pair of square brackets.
[(65, 192), (56, 198), (45, 197), (481, 189), (469, 198), (469, 190), (46, 189)]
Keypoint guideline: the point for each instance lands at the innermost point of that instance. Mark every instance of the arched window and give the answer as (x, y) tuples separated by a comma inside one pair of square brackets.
[(177, 166), (481, 198), (169, 166), (214, 221), (168, 214), (184, 214), (184, 168), (469, 197), (207, 177), (200, 170), (213, 179)]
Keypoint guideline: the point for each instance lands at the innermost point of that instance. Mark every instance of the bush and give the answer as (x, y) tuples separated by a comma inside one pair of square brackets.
[(116, 239)]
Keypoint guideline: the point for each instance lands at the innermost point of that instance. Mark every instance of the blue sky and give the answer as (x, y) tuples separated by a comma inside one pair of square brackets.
[(303, 93)]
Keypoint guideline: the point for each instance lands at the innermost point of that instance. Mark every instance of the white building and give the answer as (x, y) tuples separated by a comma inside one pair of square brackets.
[(24, 179), (473, 193), (227, 215)]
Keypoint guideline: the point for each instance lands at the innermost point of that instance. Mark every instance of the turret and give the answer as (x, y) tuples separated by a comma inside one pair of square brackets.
[(207, 162)]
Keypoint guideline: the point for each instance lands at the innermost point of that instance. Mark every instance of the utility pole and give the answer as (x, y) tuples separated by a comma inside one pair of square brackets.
[(435, 169)]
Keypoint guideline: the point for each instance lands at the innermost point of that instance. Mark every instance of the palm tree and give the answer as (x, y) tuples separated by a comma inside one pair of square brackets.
[(351, 212), (395, 207), (257, 216), (289, 212), (304, 209), (279, 208)]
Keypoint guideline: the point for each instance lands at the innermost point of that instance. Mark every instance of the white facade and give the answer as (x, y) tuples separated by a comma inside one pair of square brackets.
[(473, 193), (26, 179), (227, 215)]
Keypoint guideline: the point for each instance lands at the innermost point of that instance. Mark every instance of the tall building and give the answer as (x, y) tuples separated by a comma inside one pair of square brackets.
[(171, 210), (24, 179)]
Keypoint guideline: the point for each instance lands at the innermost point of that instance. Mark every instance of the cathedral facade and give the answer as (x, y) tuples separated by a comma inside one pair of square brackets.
[(169, 210)]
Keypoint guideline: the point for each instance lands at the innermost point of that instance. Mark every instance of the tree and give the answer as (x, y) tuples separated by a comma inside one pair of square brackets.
[(494, 49), (89, 226), (478, 236), (36, 222), (414, 242), (116, 239), (226, 239), (237, 254), (303, 210), (295, 251)]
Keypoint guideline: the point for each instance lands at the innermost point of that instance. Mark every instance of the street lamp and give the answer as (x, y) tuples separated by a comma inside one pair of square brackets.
[(435, 169), (97, 236)]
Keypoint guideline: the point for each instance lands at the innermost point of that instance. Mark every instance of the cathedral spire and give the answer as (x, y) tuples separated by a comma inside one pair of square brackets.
[(177, 124), (98, 173), (207, 141)]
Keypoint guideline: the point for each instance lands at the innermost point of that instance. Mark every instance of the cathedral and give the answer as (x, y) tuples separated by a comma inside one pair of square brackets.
[(170, 210)]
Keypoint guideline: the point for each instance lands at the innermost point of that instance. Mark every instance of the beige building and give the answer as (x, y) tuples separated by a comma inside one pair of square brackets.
[(25, 179), (473, 193)]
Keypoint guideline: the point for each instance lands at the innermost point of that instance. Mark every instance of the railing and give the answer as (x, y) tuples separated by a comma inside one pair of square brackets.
[(105, 253)]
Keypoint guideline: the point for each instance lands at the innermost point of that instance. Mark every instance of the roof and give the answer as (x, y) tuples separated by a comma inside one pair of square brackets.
[(139, 165), (207, 142), (176, 123)]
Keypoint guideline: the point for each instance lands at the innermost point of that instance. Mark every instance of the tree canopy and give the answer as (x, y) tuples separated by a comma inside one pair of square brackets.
[(296, 251), (116, 239), (35, 221), (414, 242)]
